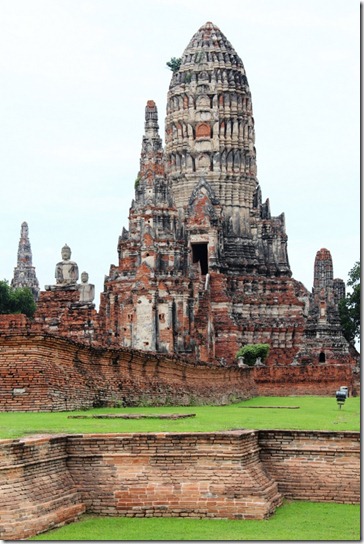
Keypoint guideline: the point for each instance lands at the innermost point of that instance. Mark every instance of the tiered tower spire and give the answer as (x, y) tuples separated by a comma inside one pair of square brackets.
[(24, 272), (210, 125), (210, 136)]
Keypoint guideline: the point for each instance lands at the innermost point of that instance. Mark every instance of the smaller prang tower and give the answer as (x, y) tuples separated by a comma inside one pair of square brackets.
[(324, 338), (24, 272)]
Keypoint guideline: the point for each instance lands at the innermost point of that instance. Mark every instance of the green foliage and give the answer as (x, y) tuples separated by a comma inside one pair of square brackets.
[(251, 352), (174, 64), (137, 182), (293, 521), (16, 301), (349, 307)]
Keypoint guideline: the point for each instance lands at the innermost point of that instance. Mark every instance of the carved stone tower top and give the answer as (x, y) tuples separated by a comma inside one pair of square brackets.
[(24, 272), (210, 135), (209, 124)]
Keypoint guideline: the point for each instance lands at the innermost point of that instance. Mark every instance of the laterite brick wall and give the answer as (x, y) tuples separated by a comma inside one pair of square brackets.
[(50, 480), (39, 372), (173, 474), (43, 372), (37, 491), (313, 465), (319, 379)]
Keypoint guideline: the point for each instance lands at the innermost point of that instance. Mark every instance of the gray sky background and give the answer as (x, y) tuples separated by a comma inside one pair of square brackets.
[(74, 80)]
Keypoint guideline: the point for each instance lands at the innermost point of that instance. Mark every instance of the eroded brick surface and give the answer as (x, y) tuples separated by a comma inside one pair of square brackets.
[(40, 372), (48, 481), (313, 465)]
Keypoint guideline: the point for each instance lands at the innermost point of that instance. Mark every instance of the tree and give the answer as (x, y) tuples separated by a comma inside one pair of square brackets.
[(16, 301), (349, 307), (174, 64), (252, 352)]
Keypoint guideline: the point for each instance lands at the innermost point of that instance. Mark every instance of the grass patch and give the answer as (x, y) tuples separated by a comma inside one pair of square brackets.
[(296, 520), (315, 413)]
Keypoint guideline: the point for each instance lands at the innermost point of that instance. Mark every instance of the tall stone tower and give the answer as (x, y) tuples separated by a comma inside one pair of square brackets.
[(210, 151), (24, 272), (203, 268)]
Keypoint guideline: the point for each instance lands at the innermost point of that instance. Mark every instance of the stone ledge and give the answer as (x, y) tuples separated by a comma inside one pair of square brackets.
[(134, 416)]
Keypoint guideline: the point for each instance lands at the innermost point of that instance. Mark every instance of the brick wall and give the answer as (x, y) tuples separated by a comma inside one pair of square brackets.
[(169, 474), (46, 481), (36, 489), (319, 379), (313, 465), (43, 372)]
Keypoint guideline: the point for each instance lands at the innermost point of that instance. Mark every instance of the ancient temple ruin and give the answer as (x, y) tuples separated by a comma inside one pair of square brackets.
[(203, 267)]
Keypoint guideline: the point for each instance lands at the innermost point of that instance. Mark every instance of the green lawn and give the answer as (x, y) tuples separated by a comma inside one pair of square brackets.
[(317, 413), (296, 520)]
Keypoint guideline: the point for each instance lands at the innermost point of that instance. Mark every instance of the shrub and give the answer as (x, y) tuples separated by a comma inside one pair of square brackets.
[(16, 301), (252, 352), (174, 64)]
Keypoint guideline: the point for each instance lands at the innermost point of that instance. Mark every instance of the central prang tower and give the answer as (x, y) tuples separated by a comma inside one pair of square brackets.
[(210, 150), (203, 268)]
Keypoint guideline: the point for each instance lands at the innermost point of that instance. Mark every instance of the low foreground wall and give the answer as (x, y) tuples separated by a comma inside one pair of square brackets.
[(37, 491), (48, 481), (313, 465)]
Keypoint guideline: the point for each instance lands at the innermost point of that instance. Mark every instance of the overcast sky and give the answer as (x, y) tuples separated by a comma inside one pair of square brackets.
[(75, 77)]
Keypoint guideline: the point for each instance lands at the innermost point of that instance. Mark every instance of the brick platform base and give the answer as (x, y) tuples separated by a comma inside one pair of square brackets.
[(46, 481)]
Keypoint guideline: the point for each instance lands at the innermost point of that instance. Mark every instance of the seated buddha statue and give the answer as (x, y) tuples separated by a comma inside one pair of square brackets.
[(66, 270), (87, 290)]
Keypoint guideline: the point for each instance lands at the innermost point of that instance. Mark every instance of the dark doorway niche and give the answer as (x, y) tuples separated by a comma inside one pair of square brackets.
[(322, 357), (200, 255)]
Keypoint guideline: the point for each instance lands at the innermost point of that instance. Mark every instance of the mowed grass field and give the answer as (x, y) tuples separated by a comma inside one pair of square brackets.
[(295, 520), (317, 413)]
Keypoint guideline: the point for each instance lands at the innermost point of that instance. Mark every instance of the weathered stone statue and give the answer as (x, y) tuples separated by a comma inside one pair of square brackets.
[(87, 290), (66, 270)]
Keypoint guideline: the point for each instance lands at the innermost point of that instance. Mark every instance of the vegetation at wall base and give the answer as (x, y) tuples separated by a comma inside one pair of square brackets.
[(295, 520)]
